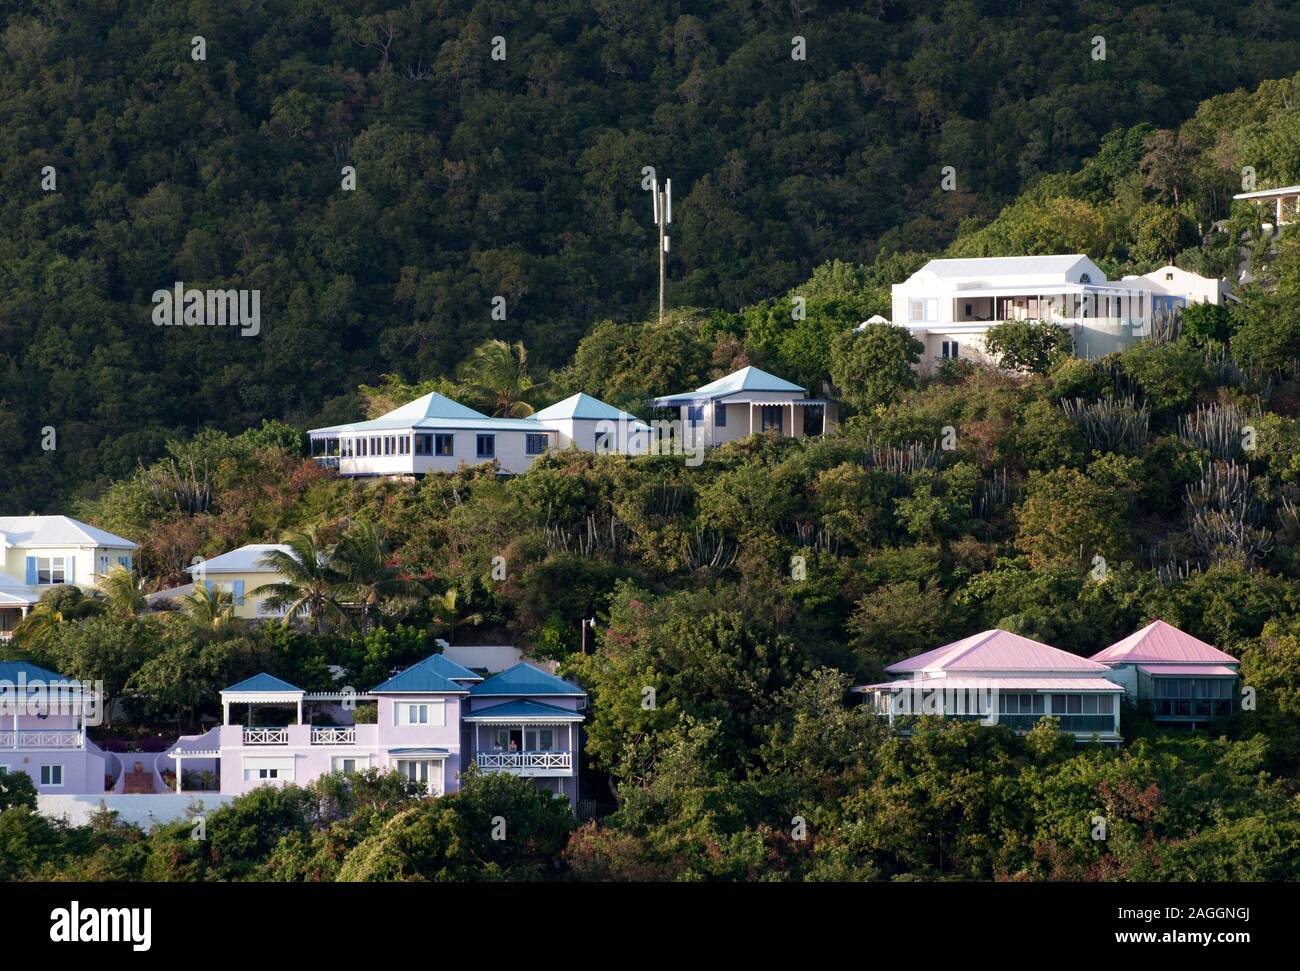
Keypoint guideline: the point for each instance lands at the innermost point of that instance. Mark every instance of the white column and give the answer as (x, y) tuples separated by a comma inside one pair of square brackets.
[(180, 764), (225, 713)]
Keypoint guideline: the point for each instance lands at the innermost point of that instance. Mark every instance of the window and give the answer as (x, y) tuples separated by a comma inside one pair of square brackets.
[(424, 771), (442, 444), (539, 739), (264, 609), (420, 713), (346, 766), (695, 415), (361, 446), (772, 417), (486, 446), (268, 773), (374, 445), (51, 775), (422, 444), (719, 415), (1020, 703), (949, 350), (403, 444), (103, 563), (51, 570), (535, 444), (923, 310), (603, 443), (390, 445), (1169, 276)]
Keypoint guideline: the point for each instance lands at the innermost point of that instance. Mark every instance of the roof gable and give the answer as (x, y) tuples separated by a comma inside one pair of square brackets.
[(419, 679), (448, 668), (263, 682), (996, 650), (36, 531), (432, 405), (525, 709), (524, 679), (12, 671), (748, 379), (582, 407), (1158, 641)]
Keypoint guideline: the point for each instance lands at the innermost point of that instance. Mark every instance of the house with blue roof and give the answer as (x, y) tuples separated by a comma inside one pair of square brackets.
[(43, 719), (748, 402), (428, 722), (436, 434)]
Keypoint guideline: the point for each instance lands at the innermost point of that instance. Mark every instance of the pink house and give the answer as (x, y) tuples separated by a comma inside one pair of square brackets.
[(1184, 680), (422, 728), (996, 677), (43, 718)]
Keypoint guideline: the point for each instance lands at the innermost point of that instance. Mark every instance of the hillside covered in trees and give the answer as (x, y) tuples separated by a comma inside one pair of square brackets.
[(522, 177)]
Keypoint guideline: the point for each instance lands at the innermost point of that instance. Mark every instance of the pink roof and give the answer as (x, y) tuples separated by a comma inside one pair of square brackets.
[(1159, 641), (1087, 683), (995, 650), (1197, 670)]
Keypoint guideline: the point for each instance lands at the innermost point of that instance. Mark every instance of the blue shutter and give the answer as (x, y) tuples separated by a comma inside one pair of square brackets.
[(31, 571), (238, 593), (207, 585)]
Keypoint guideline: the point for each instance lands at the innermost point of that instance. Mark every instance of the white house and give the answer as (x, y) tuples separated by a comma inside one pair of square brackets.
[(749, 401), (950, 304), (436, 434), (39, 552), (1284, 200), (590, 424), (1173, 288)]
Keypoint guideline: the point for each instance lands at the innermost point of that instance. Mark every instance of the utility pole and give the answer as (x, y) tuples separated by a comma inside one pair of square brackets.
[(663, 213)]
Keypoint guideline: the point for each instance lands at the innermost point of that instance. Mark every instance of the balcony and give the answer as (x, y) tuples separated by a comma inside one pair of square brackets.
[(334, 736), (266, 736), (543, 763), (49, 739)]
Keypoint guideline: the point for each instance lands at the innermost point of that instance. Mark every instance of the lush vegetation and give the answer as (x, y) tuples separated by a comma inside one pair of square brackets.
[(1068, 500), (522, 178)]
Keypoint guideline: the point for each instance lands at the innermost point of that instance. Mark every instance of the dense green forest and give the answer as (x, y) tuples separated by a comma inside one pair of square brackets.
[(519, 177), (475, 176)]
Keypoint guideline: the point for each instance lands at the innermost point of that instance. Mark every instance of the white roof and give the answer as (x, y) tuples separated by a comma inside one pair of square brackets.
[(246, 559), (37, 531), (996, 271), (582, 407), (1286, 190)]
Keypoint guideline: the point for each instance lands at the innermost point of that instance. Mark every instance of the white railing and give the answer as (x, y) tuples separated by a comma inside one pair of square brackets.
[(266, 736), (41, 739), (334, 736), (525, 760)]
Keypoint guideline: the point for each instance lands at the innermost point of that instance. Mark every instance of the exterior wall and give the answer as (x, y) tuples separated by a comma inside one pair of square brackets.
[(478, 737), (86, 569), (1190, 287), (1126, 676), (581, 433), (246, 609), (141, 810), (738, 416), (511, 453), (83, 769)]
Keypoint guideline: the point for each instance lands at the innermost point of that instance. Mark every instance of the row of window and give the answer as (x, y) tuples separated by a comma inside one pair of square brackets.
[(427, 443), (50, 775), (1062, 704), (1193, 687), (47, 571)]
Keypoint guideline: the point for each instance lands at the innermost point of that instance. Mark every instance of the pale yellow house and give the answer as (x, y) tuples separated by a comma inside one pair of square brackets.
[(39, 552), (240, 572)]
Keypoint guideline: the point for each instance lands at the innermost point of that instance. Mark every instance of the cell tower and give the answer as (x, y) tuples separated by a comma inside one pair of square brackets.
[(663, 212)]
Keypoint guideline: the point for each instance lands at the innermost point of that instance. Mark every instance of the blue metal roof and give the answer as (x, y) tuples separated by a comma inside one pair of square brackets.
[(419, 679), (419, 750), (524, 710), (524, 679), (268, 683), (448, 668), (12, 670), (746, 379)]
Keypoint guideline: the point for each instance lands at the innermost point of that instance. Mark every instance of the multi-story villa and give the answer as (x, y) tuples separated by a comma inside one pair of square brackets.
[(436, 434), (746, 402), (1183, 680), (43, 719), (949, 305), (39, 552), (997, 677), (430, 721)]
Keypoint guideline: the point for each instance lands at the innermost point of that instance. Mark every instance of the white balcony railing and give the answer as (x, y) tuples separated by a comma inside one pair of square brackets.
[(526, 762), (334, 736), (266, 736), (41, 739)]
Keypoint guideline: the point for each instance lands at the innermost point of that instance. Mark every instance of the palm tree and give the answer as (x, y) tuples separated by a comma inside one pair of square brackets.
[(449, 611), (368, 577), (124, 591), (495, 378), (57, 606), (208, 608), (311, 583)]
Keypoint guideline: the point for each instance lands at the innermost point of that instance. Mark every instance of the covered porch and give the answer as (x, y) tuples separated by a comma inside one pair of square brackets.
[(525, 738)]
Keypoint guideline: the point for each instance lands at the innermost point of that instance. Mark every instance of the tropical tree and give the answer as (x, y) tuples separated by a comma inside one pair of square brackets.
[(311, 584), (59, 605), (123, 589), (495, 378), (450, 610), (208, 608), (367, 575)]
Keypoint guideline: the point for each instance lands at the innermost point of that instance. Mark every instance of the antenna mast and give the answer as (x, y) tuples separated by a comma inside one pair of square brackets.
[(662, 203)]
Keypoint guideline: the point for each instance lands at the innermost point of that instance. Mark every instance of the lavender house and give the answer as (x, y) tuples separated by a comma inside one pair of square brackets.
[(421, 728), (43, 719)]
